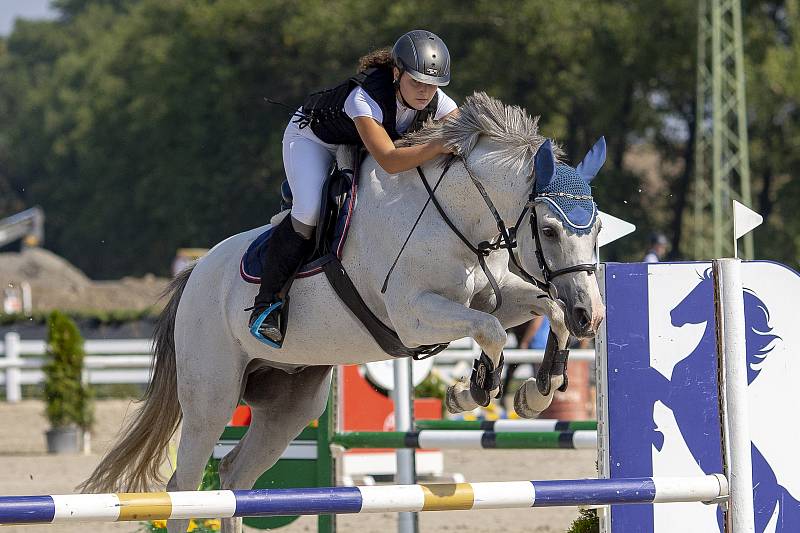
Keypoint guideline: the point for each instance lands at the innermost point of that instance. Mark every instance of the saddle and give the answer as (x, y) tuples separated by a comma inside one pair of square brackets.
[(339, 195)]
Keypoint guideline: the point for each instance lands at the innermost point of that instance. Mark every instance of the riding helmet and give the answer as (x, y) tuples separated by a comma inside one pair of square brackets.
[(424, 56)]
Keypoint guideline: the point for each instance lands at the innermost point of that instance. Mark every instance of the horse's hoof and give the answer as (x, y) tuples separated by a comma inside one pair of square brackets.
[(521, 404), (451, 402), (529, 403)]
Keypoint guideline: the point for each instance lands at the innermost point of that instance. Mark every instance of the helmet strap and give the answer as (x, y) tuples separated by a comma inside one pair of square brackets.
[(397, 88)]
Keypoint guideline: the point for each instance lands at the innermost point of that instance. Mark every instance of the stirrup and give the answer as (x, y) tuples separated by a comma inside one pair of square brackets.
[(256, 325)]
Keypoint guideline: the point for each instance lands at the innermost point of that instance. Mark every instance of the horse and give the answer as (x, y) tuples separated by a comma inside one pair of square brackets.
[(683, 392), (206, 361)]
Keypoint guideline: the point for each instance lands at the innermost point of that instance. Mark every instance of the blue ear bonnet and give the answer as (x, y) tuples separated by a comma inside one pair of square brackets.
[(567, 189), (570, 198)]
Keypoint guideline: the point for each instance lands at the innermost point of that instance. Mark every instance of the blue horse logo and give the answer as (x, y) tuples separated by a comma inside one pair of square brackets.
[(683, 394)]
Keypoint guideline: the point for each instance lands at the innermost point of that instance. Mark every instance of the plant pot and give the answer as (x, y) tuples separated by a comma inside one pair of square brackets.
[(63, 439)]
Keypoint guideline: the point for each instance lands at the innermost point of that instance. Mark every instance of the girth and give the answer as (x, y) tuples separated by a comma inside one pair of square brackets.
[(386, 338)]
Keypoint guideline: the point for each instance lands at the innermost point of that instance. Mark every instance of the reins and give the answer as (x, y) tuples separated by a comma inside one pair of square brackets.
[(422, 211), (507, 239)]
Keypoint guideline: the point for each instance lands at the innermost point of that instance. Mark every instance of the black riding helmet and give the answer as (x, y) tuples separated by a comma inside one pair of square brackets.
[(424, 56)]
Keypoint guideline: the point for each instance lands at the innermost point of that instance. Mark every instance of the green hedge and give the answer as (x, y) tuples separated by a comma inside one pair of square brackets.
[(68, 400)]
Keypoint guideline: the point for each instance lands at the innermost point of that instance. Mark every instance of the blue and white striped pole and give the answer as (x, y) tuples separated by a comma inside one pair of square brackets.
[(348, 500)]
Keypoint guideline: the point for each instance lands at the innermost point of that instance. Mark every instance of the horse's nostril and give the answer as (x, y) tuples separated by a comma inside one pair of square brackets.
[(581, 316)]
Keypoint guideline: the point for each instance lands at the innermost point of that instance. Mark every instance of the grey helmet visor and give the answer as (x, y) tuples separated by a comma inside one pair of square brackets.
[(441, 81)]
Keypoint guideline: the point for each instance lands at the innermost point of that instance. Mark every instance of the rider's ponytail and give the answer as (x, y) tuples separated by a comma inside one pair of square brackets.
[(382, 57)]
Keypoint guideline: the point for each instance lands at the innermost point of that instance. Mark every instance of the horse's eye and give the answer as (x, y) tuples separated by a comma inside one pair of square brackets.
[(549, 232)]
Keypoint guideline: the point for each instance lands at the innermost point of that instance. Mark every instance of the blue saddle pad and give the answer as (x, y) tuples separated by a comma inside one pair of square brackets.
[(251, 264)]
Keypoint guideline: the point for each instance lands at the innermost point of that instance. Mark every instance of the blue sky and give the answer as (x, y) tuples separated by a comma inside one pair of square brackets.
[(30, 9)]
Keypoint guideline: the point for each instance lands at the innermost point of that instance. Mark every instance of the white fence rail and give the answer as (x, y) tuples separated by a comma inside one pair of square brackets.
[(129, 360)]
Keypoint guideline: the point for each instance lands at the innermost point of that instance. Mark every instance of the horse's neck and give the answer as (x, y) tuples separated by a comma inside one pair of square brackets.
[(462, 200)]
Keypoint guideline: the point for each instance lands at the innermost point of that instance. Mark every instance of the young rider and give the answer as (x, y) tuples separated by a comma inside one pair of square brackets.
[(394, 93)]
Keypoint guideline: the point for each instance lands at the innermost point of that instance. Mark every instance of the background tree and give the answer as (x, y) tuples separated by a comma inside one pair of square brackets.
[(141, 127)]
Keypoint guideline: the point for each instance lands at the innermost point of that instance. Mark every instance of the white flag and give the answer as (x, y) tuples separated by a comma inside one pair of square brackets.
[(745, 219)]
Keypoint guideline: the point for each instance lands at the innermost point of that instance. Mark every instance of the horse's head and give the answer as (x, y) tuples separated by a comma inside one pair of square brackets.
[(560, 242), (698, 306), (500, 146)]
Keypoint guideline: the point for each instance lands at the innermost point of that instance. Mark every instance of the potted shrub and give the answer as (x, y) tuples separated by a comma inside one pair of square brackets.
[(68, 400)]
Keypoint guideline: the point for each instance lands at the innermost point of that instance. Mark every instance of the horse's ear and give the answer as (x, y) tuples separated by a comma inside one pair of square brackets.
[(593, 161), (544, 164)]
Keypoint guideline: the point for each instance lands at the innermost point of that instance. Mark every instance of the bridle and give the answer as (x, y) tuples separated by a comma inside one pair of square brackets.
[(507, 238)]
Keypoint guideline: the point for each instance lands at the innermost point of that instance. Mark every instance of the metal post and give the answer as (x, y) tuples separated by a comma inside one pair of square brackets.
[(326, 464), (403, 409), (722, 171), (732, 353), (716, 132), (741, 120), (13, 372)]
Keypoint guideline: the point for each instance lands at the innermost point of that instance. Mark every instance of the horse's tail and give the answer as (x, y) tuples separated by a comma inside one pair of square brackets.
[(133, 463)]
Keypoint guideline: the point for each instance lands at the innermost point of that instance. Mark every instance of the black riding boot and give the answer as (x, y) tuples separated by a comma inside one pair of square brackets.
[(284, 255)]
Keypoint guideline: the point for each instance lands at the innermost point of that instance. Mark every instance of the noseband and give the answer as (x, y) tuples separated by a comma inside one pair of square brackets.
[(507, 238)]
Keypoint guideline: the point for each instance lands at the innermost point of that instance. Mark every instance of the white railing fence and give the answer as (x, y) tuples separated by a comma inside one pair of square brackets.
[(129, 360)]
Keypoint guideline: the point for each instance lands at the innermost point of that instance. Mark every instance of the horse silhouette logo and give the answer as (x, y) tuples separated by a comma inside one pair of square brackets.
[(682, 394)]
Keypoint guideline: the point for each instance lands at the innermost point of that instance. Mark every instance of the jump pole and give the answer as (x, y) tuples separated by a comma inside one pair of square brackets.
[(350, 500), (468, 440), (506, 425)]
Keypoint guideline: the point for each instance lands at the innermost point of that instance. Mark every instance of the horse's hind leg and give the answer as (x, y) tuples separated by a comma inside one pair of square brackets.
[(281, 405), (207, 401)]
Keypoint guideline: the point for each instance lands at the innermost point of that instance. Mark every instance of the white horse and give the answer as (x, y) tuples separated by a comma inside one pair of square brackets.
[(207, 361)]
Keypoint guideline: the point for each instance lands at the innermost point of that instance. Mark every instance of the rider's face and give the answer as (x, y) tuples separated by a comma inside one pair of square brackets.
[(415, 93)]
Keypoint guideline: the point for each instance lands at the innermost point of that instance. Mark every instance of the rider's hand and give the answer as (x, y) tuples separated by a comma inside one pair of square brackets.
[(442, 148)]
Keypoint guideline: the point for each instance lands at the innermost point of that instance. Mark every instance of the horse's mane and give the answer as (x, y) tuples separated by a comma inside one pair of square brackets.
[(482, 115), (759, 338), (758, 334)]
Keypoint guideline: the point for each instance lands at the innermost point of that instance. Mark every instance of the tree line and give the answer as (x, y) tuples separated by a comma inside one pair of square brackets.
[(141, 126)]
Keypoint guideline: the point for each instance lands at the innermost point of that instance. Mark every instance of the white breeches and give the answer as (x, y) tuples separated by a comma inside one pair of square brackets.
[(307, 161)]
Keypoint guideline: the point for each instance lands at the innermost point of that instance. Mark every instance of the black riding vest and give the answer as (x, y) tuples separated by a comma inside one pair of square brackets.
[(324, 110)]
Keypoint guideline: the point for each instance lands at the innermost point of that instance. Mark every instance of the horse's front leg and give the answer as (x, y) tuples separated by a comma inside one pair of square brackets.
[(521, 300), (434, 319)]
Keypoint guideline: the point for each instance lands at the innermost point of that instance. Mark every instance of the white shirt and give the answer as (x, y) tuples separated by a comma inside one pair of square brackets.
[(361, 104)]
